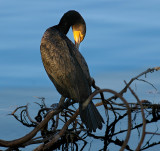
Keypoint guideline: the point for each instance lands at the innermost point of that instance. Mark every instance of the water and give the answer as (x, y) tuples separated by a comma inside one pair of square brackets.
[(122, 40)]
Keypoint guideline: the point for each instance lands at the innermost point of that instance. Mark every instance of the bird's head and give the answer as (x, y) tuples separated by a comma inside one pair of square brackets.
[(73, 19), (79, 31)]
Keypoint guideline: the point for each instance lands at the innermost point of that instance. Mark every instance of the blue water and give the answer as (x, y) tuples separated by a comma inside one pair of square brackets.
[(122, 40)]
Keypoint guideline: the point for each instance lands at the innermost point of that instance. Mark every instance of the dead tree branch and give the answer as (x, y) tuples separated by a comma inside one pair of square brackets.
[(60, 125)]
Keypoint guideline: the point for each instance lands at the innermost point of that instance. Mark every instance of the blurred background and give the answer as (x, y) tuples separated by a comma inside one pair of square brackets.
[(122, 40)]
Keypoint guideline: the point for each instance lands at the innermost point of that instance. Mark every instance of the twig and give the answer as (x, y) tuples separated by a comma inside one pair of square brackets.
[(17, 109), (143, 117), (148, 83), (150, 70), (27, 113), (152, 133)]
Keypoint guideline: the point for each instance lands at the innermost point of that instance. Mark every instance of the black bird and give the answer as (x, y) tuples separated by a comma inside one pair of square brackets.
[(67, 68)]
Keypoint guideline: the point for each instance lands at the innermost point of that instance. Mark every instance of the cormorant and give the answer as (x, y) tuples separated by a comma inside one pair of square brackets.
[(67, 68)]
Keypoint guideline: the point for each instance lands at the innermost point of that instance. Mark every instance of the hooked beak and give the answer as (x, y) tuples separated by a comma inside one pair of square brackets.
[(77, 38), (77, 44)]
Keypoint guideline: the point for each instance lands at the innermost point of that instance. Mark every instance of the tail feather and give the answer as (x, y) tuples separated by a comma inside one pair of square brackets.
[(98, 120), (91, 117)]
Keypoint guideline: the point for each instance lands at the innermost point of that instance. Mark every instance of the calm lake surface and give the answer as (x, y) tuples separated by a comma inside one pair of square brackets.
[(122, 40)]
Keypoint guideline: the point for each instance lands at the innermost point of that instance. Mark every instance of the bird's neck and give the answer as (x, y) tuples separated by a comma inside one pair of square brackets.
[(62, 28)]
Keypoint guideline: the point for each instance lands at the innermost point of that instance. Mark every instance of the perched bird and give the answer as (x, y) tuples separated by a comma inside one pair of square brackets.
[(67, 68)]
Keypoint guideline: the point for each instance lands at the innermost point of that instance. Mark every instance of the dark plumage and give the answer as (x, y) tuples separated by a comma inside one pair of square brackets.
[(67, 68)]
